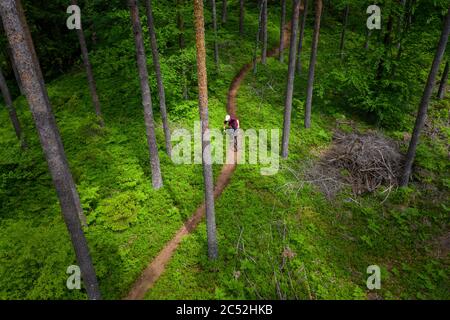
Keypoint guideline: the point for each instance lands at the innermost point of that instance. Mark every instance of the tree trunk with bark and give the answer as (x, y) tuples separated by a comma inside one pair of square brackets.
[(180, 24), (282, 23), (302, 35), (344, 27), (400, 24), (241, 17), (14, 68), (423, 107), (366, 44), (264, 33), (216, 45), (312, 63), (203, 109), (387, 43), (141, 59), (89, 73), (258, 35), (290, 78), (224, 11), (30, 74), (159, 77), (12, 111), (443, 85)]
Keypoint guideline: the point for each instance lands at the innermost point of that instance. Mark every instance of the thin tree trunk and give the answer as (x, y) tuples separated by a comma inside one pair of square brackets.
[(203, 109), (282, 23), (32, 80), (180, 24), (443, 85), (302, 35), (341, 45), (387, 42), (216, 45), (12, 111), (241, 17), (264, 33), (290, 78), (182, 44), (224, 11), (185, 83), (312, 63), (400, 24), (14, 68), (159, 78), (422, 113), (366, 45), (89, 73), (258, 35), (146, 95)]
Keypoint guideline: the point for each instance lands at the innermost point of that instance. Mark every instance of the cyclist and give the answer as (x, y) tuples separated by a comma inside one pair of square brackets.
[(231, 122), (233, 125)]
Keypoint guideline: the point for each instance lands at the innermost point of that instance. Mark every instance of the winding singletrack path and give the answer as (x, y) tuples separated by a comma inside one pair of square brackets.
[(156, 267)]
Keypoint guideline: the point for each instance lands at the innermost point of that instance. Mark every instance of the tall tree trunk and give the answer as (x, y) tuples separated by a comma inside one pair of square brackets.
[(14, 68), (258, 35), (12, 111), (146, 95), (344, 27), (443, 84), (290, 78), (366, 44), (312, 63), (387, 43), (264, 33), (180, 24), (224, 11), (216, 45), (422, 113), (182, 44), (159, 78), (89, 73), (33, 82), (203, 109), (282, 23), (241, 17), (302, 35), (400, 24)]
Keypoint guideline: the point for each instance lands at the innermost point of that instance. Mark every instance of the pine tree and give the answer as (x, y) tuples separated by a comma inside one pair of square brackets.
[(423, 107), (89, 73), (443, 85), (203, 109), (159, 77), (282, 22), (301, 36), (290, 78), (312, 63), (30, 73), (141, 59), (12, 111)]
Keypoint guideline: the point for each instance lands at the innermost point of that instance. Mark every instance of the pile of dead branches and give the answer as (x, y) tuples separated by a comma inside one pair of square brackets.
[(365, 161)]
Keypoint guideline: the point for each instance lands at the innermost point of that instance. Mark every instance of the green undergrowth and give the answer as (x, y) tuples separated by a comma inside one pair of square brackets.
[(277, 239)]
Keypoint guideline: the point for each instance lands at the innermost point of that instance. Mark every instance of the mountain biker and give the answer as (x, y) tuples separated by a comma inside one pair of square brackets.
[(231, 122)]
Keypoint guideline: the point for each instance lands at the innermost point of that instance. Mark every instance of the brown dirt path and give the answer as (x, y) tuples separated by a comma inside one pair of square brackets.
[(156, 267)]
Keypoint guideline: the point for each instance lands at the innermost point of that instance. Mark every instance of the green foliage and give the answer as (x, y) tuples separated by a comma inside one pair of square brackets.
[(273, 242)]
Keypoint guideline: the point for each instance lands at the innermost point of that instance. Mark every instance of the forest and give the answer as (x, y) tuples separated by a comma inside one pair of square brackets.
[(224, 150)]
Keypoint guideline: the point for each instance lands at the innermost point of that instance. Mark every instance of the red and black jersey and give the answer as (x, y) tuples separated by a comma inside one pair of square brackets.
[(233, 123)]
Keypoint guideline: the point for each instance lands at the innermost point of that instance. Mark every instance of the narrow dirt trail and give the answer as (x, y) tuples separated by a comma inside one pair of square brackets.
[(156, 267)]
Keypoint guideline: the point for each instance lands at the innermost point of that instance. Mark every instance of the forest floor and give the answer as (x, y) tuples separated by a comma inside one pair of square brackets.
[(279, 238), (157, 266)]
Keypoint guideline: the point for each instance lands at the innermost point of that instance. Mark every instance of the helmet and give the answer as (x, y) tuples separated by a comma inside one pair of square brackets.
[(227, 117)]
